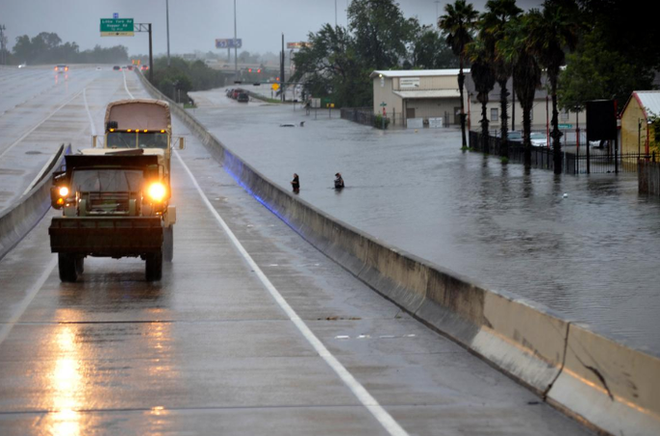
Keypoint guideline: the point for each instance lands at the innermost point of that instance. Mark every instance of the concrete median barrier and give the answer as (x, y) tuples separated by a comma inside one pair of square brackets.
[(25, 213), (527, 341)]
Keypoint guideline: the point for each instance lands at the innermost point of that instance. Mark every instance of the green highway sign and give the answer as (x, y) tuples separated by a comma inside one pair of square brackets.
[(117, 27)]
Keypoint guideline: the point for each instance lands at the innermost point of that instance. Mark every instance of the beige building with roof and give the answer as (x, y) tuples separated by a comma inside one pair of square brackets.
[(434, 94), (637, 128)]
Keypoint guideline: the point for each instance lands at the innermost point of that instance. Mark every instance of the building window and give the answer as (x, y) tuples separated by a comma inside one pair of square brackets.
[(494, 115)]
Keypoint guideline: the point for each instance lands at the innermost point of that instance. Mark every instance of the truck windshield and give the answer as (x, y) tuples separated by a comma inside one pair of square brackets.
[(120, 140), (107, 180), (153, 140)]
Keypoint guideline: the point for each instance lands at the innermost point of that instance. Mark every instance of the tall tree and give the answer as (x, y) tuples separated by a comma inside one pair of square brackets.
[(492, 26), (483, 76), (553, 31), (429, 51), (515, 47), (381, 32), (458, 24)]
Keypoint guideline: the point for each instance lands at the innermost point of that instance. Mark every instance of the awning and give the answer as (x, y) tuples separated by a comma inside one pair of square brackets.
[(437, 93)]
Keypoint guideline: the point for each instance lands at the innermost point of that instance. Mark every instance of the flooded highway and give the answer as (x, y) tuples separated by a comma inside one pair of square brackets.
[(250, 331), (586, 247)]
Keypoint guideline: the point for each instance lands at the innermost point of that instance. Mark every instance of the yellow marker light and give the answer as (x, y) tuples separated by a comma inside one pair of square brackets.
[(137, 130), (63, 191), (112, 130), (162, 131), (157, 191), (145, 130), (129, 130), (60, 201)]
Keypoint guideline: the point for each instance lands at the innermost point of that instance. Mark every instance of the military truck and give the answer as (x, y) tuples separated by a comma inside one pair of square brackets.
[(114, 205), (115, 199)]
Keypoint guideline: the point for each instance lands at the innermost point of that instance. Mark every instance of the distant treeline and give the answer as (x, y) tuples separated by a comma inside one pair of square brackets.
[(183, 76), (47, 48)]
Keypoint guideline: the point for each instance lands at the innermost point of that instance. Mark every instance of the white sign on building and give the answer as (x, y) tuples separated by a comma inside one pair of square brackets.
[(409, 82)]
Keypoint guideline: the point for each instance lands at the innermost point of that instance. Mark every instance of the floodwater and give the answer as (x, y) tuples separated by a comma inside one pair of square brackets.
[(585, 246)]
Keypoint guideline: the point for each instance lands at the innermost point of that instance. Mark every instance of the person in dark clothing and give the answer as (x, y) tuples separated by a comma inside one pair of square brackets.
[(295, 183), (339, 182)]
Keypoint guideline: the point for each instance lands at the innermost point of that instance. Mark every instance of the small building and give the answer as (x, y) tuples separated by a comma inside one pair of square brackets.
[(432, 97), (420, 95), (637, 123)]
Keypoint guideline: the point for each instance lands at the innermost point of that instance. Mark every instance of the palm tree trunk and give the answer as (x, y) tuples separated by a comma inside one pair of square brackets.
[(527, 130), (504, 97), (556, 134), (461, 82), (484, 124)]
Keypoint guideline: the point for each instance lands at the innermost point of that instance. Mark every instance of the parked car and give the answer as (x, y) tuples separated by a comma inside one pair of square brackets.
[(515, 136), (243, 97), (538, 139), (61, 68)]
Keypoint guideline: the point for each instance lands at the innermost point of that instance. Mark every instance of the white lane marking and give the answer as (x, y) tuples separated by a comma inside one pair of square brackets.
[(126, 86), (383, 417), (39, 124), (6, 328), (89, 114)]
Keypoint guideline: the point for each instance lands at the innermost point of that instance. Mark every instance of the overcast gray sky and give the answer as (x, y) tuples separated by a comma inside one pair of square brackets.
[(194, 24)]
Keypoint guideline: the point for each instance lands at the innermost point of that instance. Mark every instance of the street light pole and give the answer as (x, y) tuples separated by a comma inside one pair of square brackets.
[(335, 14), (235, 44), (167, 18)]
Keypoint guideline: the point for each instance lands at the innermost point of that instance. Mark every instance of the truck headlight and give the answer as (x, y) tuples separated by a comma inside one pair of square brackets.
[(157, 191), (63, 191)]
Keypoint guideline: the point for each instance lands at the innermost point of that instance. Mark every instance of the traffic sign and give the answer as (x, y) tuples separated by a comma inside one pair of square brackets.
[(275, 86), (117, 27), (229, 43), (565, 126)]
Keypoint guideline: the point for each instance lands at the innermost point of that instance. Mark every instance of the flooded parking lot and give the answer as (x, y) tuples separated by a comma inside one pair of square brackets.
[(585, 246)]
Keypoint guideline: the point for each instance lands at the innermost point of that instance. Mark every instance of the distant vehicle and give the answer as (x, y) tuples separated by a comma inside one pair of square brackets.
[(235, 92), (62, 68), (116, 68), (130, 67), (538, 139), (515, 136), (243, 97), (22, 65), (257, 84), (144, 67)]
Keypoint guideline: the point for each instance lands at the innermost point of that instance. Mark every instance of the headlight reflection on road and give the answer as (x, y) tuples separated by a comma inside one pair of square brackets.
[(66, 382)]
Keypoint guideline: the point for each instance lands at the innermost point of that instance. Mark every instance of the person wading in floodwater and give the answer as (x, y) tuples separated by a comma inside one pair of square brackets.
[(339, 182), (295, 183)]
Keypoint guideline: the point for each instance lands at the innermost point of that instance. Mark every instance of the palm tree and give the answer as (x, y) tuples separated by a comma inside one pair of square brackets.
[(515, 48), (553, 31), (483, 76), (458, 23), (493, 24)]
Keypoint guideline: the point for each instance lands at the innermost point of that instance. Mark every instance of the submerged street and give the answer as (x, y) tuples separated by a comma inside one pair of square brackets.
[(585, 246)]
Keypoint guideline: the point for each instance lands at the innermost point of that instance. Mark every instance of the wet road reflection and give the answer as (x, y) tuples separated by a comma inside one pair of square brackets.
[(584, 246), (66, 383)]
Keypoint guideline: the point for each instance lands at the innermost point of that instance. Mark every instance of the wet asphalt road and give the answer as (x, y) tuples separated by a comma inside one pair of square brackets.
[(586, 247), (210, 350)]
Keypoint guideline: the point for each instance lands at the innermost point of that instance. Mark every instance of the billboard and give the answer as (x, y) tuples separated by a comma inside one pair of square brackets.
[(229, 43), (297, 45)]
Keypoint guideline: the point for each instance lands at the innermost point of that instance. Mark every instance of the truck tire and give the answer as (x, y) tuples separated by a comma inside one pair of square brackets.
[(67, 267), (80, 265), (168, 243), (154, 266)]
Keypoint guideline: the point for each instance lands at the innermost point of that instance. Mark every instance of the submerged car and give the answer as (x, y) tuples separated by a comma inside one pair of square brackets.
[(243, 97)]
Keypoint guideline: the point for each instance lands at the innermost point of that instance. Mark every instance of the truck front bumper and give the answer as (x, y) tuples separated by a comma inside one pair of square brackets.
[(106, 236)]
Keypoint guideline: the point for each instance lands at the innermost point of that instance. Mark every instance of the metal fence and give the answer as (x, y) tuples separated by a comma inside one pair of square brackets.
[(595, 162)]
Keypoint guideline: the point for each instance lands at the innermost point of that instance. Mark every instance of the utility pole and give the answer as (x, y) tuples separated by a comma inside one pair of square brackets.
[(282, 81), (335, 14), (3, 57), (235, 45), (437, 14), (167, 17)]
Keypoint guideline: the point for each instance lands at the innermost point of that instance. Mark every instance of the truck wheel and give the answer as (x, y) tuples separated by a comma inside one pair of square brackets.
[(67, 267), (168, 243), (80, 265), (154, 266)]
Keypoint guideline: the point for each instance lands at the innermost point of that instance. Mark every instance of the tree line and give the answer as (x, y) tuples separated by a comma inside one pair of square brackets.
[(586, 49), (48, 48)]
